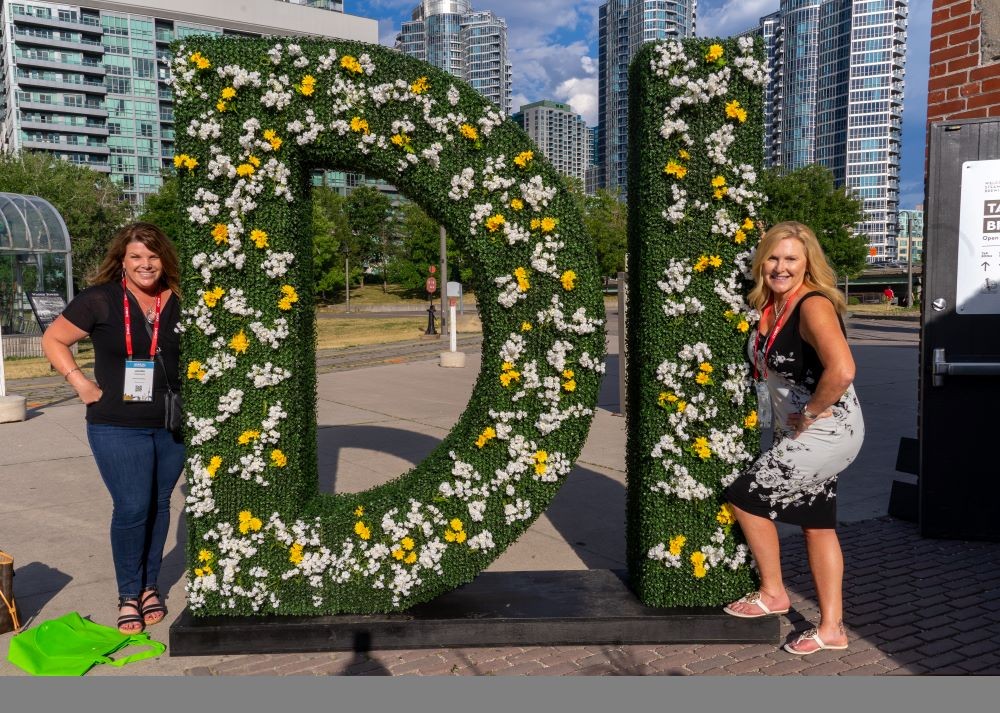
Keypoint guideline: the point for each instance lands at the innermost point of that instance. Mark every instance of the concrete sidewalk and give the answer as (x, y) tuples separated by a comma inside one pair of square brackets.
[(912, 605)]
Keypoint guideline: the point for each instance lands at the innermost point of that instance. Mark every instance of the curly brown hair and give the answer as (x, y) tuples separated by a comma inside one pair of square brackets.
[(110, 269)]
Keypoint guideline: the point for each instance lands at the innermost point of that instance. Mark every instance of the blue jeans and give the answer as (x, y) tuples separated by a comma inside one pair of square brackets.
[(140, 467)]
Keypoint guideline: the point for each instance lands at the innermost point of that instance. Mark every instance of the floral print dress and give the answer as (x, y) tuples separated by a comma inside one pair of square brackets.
[(796, 480)]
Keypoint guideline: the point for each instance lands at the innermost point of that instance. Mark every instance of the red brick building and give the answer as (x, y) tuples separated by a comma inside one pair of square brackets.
[(964, 80)]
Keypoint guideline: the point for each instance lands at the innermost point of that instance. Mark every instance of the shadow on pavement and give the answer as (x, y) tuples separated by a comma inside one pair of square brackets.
[(35, 584)]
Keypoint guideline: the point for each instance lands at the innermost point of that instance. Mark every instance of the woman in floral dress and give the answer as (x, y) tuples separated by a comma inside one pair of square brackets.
[(803, 367)]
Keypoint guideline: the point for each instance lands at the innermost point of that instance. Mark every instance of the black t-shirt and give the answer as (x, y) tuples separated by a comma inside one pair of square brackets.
[(99, 311)]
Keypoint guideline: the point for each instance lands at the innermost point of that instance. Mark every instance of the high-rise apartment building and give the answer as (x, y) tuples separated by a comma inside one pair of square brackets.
[(624, 26), (910, 240), (560, 134), (470, 44), (88, 82), (592, 182), (835, 97)]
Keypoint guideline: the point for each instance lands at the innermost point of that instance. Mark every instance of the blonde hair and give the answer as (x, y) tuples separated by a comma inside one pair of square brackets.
[(819, 275), (110, 269)]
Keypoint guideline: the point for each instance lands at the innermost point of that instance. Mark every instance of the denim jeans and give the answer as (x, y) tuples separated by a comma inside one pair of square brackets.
[(140, 467)]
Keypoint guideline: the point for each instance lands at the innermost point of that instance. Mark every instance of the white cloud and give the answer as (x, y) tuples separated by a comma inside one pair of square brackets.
[(733, 16), (581, 94)]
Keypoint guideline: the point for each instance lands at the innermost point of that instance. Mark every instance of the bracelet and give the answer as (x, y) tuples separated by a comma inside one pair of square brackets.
[(76, 368), (809, 415)]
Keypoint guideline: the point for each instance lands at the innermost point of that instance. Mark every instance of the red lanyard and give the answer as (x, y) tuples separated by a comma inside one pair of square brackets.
[(775, 328), (128, 324)]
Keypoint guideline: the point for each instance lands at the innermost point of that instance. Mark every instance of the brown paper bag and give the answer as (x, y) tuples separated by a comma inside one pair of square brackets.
[(8, 607)]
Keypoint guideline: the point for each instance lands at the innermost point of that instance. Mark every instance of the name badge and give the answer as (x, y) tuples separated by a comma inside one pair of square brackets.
[(765, 416), (139, 380)]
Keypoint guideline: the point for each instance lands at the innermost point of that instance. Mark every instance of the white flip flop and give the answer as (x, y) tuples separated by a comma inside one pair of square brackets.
[(758, 601), (814, 635)]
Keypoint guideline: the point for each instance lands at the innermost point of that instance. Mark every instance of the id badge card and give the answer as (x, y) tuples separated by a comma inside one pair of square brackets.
[(138, 380), (765, 419)]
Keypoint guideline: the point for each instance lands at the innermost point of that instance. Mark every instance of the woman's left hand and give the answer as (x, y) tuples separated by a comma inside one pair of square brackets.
[(799, 423)]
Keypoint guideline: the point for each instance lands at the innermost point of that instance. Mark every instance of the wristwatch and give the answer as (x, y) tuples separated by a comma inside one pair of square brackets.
[(807, 414)]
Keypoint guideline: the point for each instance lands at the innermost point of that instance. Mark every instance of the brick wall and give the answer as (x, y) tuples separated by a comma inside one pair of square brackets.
[(964, 78)]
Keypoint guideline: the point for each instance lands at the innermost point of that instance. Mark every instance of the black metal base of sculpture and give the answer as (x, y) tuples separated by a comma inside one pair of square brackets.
[(546, 608)]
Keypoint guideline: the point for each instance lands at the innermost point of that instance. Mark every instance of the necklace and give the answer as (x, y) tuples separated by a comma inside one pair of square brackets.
[(148, 312)]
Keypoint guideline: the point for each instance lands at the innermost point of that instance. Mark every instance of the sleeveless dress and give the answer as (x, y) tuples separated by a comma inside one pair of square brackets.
[(796, 480)]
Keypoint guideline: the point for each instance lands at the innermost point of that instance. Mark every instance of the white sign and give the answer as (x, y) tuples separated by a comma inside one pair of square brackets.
[(978, 278), (454, 289)]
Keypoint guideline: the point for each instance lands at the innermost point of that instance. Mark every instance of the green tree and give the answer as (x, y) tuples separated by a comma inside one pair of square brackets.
[(368, 215), (162, 208), (89, 202), (808, 195), (331, 234), (606, 219), (420, 246)]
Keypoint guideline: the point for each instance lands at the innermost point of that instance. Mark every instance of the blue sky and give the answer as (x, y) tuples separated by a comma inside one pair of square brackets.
[(554, 56)]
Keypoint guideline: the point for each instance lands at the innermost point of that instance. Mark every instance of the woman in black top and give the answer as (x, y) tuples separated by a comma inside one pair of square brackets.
[(804, 369), (130, 314)]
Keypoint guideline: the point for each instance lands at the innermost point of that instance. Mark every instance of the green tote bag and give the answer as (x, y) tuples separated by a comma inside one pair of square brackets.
[(71, 645)]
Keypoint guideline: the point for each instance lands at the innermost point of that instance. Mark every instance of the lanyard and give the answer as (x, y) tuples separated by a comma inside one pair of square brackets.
[(775, 328), (128, 324)]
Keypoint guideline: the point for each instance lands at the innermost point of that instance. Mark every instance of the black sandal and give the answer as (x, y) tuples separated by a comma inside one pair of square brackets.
[(157, 608), (126, 618)]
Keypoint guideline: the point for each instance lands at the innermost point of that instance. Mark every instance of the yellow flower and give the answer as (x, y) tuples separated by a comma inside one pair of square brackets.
[(548, 224), (398, 553), (398, 139), (205, 556), (703, 379), (228, 92), (253, 160), (249, 523), (199, 60), (525, 326), (290, 298), (743, 326), (494, 222), (735, 111), (705, 367), (190, 162), (740, 237), (701, 448), (698, 560), (701, 264), (308, 86), (718, 181), (212, 297), (351, 64), (359, 125), (486, 436), (259, 238), (521, 275), (456, 525), (407, 543), (202, 571), (221, 233), (410, 558), (681, 405), (449, 536), (666, 398), (719, 193), (244, 170), (248, 436), (221, 105), (359, 511), (570, 385), (195, 371), (469, 131), (517, 204), (748, 224), (278, 459), (271, 136), (420, 86), (751, 420), (239, 342), (362, 531), (295, 553), (676, 544), (728, 314), (524, 158), (684, 154), (460, 537), (568, 373), (568, 280), (213, 466), (715, 261), (540, 458), (726, 516), (675, 169), (509, 374), (714, 53)]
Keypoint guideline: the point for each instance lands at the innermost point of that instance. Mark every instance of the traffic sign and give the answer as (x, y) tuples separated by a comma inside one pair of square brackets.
[(431, 285)]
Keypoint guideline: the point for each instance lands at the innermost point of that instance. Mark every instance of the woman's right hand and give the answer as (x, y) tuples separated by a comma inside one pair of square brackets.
[(88, 391)]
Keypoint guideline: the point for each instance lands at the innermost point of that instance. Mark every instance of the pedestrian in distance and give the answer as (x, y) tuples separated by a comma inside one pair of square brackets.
[(130, 312), (803, 372)]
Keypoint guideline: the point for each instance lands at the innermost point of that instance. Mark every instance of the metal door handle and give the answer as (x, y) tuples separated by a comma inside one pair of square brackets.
[(942, 366)]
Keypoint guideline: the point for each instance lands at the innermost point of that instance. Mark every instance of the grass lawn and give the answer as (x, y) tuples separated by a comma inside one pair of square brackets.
[(394, 296)]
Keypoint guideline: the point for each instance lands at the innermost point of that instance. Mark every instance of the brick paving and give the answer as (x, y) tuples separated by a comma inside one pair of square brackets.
[(913, 606)]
